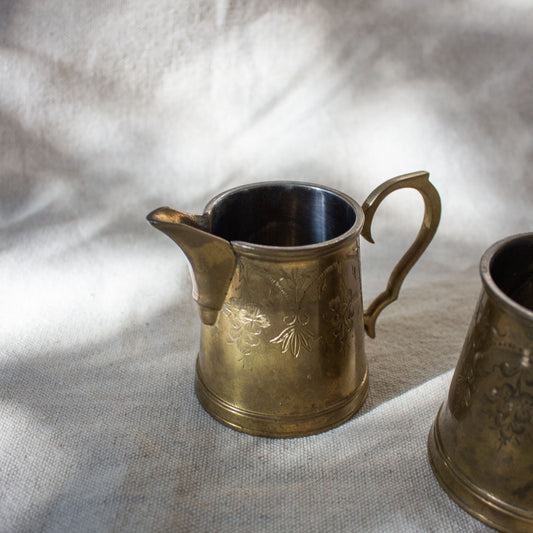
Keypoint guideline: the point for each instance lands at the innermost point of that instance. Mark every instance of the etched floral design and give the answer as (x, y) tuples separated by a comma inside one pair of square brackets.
[(295, 336), (297, 282), (246, 325), (290, 290), (514, 406), (340, 315), (462, 390), (481, 334), (514, 412)]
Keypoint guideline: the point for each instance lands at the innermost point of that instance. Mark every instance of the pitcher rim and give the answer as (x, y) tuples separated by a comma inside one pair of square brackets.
[(491, 286), (265, 250)]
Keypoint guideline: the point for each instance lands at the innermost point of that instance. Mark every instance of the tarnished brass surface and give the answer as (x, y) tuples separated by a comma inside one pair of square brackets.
[(276, 274), (481, 443)]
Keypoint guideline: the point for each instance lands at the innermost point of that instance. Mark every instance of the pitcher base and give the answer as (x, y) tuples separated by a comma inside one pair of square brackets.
[(286, 426), (471, 497)]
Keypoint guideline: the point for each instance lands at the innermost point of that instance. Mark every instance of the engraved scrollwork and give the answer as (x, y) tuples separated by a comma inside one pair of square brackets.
[(496, 368)]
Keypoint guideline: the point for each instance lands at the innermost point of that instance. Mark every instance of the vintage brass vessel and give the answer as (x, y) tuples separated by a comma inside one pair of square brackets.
[(481, 443), (276, 274)]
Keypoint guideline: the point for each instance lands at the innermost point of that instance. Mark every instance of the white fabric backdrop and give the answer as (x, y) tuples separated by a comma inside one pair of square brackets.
[(110, 109)]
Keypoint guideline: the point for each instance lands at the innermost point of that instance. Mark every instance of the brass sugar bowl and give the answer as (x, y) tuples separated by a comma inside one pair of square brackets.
[(481, 443)]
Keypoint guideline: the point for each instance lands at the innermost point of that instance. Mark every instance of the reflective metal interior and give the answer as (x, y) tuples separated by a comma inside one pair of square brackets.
[(281, 215), (512, 270)]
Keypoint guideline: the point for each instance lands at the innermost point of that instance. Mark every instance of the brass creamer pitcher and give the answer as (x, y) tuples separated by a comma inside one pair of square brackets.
[(276, 274)]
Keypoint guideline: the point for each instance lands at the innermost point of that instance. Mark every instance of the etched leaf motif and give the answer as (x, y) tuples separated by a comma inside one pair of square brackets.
[(294, 336)]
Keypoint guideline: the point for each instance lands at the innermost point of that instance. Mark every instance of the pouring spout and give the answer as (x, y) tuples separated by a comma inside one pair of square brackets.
[(211, 258), (167, 215)]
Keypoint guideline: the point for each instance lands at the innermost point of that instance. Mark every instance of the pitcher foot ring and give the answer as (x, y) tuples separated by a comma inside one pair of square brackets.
[(472, 498), (286, 426)]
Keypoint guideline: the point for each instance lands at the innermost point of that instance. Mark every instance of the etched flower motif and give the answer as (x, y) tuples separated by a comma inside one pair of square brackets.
[(295, 336), (246, 325), (514, 411), (340, 315)]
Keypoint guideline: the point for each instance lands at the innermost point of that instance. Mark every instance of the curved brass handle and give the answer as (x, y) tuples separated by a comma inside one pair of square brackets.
[(432, 209)]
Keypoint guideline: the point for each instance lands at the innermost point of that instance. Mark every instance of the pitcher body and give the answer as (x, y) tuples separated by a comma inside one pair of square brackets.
[(286, 355)]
